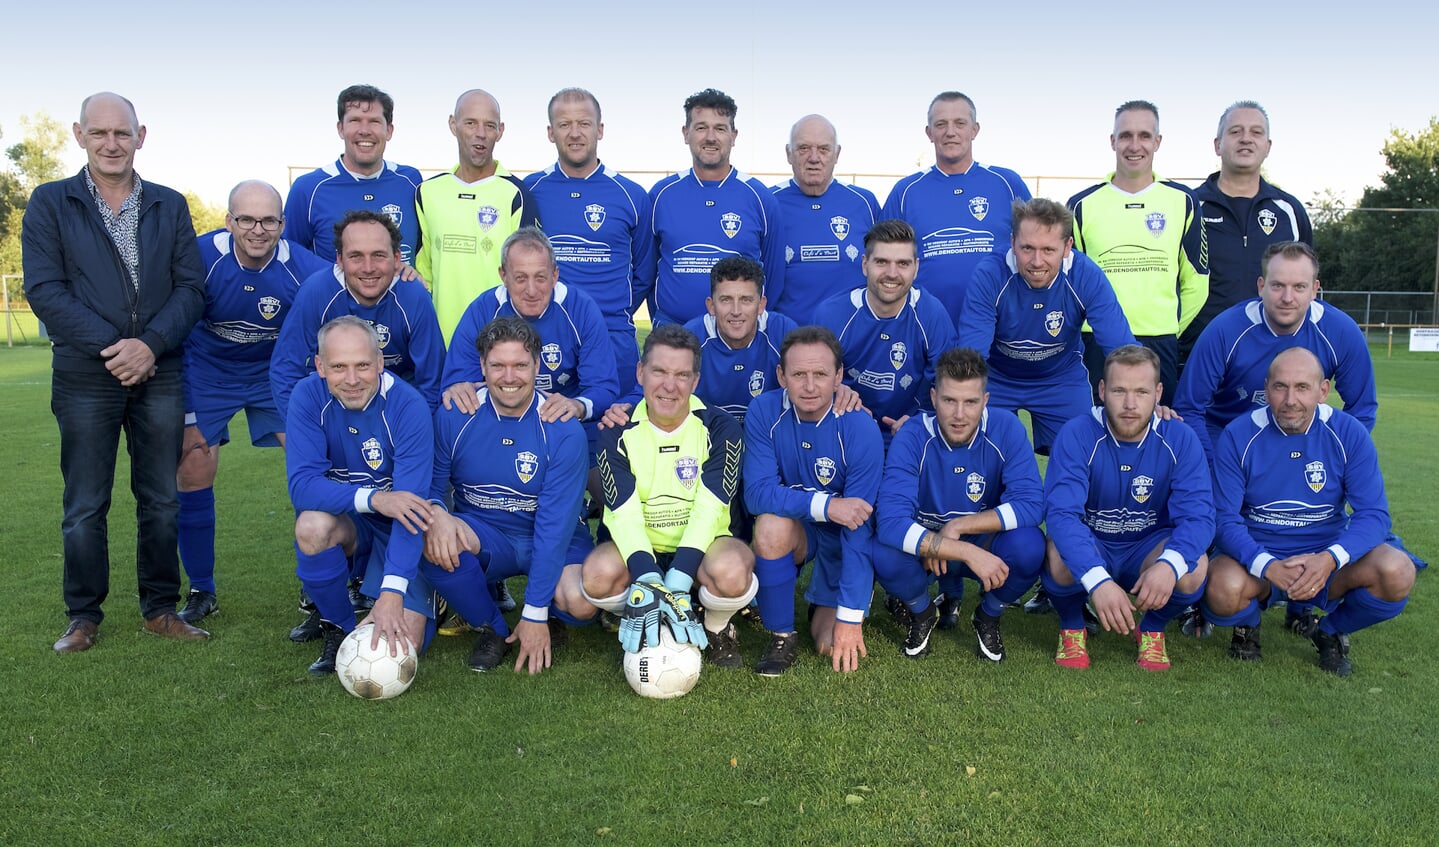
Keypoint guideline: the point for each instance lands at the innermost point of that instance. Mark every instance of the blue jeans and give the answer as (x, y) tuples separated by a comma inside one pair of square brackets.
[(91, 410)]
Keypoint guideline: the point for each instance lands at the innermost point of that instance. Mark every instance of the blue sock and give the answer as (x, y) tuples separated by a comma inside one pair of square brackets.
[(1155, 620), (1023, 551), (919, 602), (1068, 601), (951, 583), (776, 592), (465, 590), (1299, 607), (1247, 616), (901, 576), (197, 537), (431, 626), (325, 576), (1360, 609)]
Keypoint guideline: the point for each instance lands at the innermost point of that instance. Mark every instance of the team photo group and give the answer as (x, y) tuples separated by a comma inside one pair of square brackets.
[(829, 395)]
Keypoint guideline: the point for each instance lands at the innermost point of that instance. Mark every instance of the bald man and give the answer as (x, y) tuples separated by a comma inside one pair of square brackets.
[(822, 222), (466, 214), (1283, 475), (118, 307), (251, 277)]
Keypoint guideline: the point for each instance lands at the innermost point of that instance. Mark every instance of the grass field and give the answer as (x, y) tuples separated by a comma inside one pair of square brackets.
[(141, 741)]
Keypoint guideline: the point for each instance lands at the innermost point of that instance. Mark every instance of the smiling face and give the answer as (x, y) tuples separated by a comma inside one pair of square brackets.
[(365, 133), (1134, 142), (710, 137), (575, 130), (668, 379), (110, 135), (259, 206), (477, 128), (736, 305), (811, 376), (1244, 143), (1040, 251), (1294, 388), (529, 277), (889, 271), (369, 260), (952, 129), (1129, 394), (351, 365), (509, 371), (1287, 290)]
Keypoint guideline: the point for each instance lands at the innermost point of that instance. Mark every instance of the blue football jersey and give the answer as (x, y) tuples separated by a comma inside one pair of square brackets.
[(823, 245), (319, 200)]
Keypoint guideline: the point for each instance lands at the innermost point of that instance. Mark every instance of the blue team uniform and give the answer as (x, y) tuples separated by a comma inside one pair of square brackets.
[(929, 482), (792, 468), (731, 378), (959, 219), (601, 229), (1031, 337), (227, 356), (698, 222), (518, 483), (319, 200), (576, 358), (1223, 379), (404, 317), (335, 461), (823, 245), (889, 361), (1108, 502), (1281, 495)]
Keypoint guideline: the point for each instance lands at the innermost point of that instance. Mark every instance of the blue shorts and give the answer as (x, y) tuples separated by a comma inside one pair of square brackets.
[(503, 556), (1050, 403), (217, 401), (372, 537), (1124, 561), (822, 546)]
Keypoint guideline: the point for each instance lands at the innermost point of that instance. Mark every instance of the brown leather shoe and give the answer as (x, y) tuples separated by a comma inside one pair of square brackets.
[(169, 625), (78, 637)]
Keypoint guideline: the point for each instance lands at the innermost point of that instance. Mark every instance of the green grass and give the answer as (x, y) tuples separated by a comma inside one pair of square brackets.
[(141, 741)]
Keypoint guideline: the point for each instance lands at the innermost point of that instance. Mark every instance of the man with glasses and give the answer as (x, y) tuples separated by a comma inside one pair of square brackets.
[(252, 275)]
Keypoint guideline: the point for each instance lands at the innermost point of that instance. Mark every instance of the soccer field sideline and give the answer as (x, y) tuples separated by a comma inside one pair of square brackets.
[(141, 741)]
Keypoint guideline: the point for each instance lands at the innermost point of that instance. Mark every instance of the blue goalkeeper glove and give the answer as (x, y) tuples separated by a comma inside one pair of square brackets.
[(650, 603)]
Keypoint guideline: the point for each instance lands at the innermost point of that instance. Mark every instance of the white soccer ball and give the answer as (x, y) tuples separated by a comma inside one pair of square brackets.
[(373, 674), (664, 670)]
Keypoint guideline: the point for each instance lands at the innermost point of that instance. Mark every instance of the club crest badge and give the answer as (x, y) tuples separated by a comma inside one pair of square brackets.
[(595, 216), (373, 455), (1141, 487), (839, 225), (756, 383), (1267, 221), (898, 354), (550, 355), (384, 333), (269, 307), (526, 463), (979, 207), (824, 470), (730, 224), (974, 486), (1154, 221), (687, 471), (488, 217), (1053, 323), (393, 212), (1315, 476)]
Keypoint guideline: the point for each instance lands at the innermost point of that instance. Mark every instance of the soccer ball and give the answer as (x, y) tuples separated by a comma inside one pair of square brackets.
[(373, 674), (664, 670)]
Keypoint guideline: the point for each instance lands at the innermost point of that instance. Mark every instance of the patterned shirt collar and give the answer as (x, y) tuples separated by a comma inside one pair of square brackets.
[(123, 226)]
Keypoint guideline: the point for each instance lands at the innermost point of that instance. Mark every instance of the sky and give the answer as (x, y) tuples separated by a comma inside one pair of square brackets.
[(237, 91)]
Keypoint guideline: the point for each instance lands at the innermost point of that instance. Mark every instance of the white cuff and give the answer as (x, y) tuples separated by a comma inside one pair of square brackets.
[(912, 538), (1260, 562), (191, 419), (1341, 556), (1007, 518), (362, 500), (1171, 557), (1093, 578), (817, 505), (536, 614), (395, 583), (844, 614), (589, 407)]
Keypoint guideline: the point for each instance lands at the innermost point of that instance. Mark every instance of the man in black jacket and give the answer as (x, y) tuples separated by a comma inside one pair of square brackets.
[(112, 268)]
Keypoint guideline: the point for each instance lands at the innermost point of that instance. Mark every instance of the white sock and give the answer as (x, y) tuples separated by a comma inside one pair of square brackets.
[(718, 610), (614, 604)]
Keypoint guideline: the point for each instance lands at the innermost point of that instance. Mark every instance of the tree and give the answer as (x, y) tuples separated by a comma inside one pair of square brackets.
[(1387, 242), (33, 160), (203, 215)]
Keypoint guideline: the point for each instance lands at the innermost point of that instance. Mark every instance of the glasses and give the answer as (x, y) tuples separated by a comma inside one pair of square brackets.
[(247, 222)]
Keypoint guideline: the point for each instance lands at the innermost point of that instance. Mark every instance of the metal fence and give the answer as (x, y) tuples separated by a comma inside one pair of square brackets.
[(1384, 308)]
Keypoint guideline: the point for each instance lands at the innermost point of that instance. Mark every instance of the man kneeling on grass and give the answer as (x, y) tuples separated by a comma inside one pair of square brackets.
[(1129, 511), (1283, 475)]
